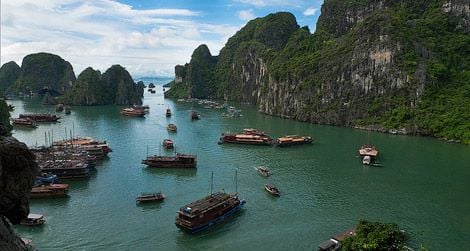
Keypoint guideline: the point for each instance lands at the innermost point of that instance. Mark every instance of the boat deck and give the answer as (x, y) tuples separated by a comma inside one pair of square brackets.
[(204, 204)]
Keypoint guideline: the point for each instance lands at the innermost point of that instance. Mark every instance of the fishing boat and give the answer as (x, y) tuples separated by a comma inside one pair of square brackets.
[(33, 220), (264, 171), (49, 191), (272, 189), (168, 143), (368, 154), (131, 112), (168, 112), (26, 122), (249, 136), (177, 161), (291, 140), (171, 128), (150, 197), (40, 117)]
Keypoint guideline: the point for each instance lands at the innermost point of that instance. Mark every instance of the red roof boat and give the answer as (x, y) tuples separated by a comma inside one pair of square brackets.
[(249, 136), (50, 191), (40, 117), (168, 144), (291, 140), (150, 197), (24, 122), (368, 154), (177, 161)]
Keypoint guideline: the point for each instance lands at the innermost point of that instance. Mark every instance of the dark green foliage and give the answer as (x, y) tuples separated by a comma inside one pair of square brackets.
[(42, 70), (4, 114), (9, 73), (115, 86), (376, 236)]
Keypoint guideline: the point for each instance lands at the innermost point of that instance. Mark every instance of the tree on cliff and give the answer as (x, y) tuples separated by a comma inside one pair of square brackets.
[(9, 73)]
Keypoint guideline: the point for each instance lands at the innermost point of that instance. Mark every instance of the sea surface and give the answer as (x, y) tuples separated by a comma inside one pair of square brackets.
[(423, 186)]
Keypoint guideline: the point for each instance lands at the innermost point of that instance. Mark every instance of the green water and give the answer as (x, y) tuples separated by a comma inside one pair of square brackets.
[(423, 186)]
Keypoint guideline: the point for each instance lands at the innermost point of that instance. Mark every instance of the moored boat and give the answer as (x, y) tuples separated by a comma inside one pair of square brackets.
[(171, 128), (168, 143), (26, 122), (272, 189), (131, 112), (264, 171), (249, 136), (204, 213), (40, 117), (33, 220), (194, 115), (168, 112), (150, 197), (177, 161), (49, 191), (368, 154), (46, 178), (291, 140)]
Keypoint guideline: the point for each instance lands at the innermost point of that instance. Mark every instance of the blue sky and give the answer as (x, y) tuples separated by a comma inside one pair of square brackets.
[(147, 37)]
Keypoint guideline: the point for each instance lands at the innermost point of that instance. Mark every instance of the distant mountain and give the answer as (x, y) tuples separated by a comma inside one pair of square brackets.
[(115, 86), (44, 71), (9, 73), (397, 66)]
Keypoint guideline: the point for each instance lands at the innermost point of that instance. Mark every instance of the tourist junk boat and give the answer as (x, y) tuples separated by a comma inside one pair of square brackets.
[(368, 154), (40, 117), (168, 144), (49, 191), (272, 189), (168, 112), (26, 122), (249, 136), (150, 197), (291, 140), (33, 220), (84, 141), (131, 112), (171, 128), (177, 161), (66, 169), (264, 171)]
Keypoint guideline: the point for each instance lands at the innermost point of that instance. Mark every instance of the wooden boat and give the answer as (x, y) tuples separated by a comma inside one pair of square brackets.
[(150, 197), (264, 171), (131, 112), (194, 116), (291, 140), (26, 122), (168, 143), (84, 141), (40, 117), (168, 112), (144, 108), (49, 191), (67, 169), (33, 220), (334, 243), (272, 189), (177, 161), (171, 128), (249, 136), (204, 213), (368, 154)]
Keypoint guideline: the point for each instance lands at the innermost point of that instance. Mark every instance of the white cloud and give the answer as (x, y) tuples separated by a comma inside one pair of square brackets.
[(246, 15), (101, 33), (310, 11), (266, 3)]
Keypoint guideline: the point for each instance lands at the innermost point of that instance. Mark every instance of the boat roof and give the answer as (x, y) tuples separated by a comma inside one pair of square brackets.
[(35, 216), (195, 208)]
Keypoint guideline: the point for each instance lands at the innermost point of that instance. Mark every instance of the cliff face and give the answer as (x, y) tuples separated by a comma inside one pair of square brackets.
[(115, 86), (392, 65), (44, 70), (17, 171), (9, 73)]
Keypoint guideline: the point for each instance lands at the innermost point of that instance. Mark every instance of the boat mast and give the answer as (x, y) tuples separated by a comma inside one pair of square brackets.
[(212, 180), (236, 182)]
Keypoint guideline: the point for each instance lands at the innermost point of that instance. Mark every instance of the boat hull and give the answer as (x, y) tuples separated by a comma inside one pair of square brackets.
[(244, 142)]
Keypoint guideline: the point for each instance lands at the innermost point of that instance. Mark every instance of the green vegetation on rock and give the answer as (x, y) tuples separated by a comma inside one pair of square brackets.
[(9, 73), (44, 70), (4, 114), (377, 64)]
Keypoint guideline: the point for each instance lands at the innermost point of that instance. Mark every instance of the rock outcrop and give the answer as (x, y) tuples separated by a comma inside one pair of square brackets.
[(17, 171), (9, 73), (390, 65), (42, 71)]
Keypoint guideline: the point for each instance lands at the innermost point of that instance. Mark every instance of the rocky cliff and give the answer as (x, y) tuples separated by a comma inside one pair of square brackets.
[(9, 73), (399, 66), (115, 86), (17, 171), (5, 116), (44, 70)]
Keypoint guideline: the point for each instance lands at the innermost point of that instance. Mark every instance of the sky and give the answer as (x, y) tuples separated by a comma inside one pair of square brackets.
[(146, 37)]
